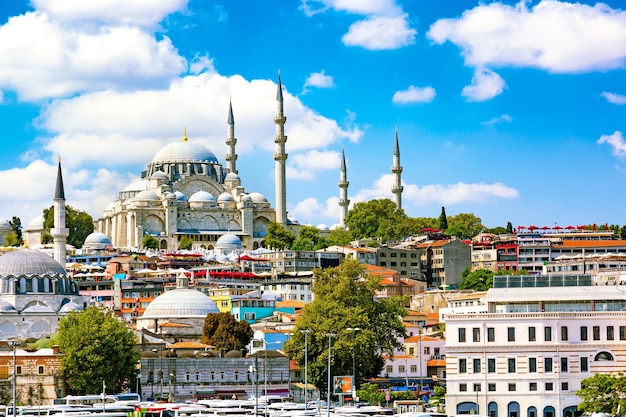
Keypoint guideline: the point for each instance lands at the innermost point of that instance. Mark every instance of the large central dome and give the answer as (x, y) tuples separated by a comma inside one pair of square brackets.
[(28, 262), (184, 151)]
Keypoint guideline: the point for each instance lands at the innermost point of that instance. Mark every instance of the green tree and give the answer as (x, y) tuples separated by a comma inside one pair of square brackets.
[(479, 280), (509, 228), (224, 332), (11, 239), (16, 228), (150, 242), (278, 237), (417, 224), (369, 392), (498, 230), (443, 220), (97, 347), (345, 298), (185, 243), (339, 237), (377, 219), (464, 225), (602, 393), (79, 223)]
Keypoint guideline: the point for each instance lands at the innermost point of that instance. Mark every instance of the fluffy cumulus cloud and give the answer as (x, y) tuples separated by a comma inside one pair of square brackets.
[(311, 208), (614, 98), (319, 80), (616, 142), (305, 165), (589, 37), (485, 85), (414, 95), (362, 7)]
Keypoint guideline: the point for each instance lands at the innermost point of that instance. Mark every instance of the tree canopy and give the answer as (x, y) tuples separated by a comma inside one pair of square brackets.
[(278, 237), (378, 219), (479, 280), (443, 219), (97, 347), (344, 299), (464, 225), (224, 332), (79, 223), (602, 393), (185, 243)]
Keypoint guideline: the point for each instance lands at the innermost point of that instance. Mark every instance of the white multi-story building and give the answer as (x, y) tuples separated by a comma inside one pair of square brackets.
[(527, 355)]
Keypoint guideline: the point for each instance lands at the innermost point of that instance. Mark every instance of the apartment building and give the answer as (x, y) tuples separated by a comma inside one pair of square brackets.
[(442, 261), (527, 355)]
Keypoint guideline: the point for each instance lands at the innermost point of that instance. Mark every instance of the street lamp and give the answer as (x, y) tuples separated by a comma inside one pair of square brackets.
[(353, 329), (330, 336), (14, 344), (306, 366)]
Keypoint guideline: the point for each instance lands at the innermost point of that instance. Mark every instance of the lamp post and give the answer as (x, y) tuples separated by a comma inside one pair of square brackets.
[(330, 336), (306, 366), (353, 329), (14, 344)]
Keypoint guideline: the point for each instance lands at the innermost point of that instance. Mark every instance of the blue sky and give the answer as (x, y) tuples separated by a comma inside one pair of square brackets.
[(513, 111)]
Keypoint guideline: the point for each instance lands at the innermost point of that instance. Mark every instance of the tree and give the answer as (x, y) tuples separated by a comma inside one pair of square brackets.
[(150, 242), (16, 229), (464, 225), (79, 223), (339, 237), (509, 227), (278, 237), (97, 347), (185, 243), (443, 220), (479, 280), (11, 239), (377, 219), (602, 393), (417, 224), (224, 332), (345, 298), (370, 393), (309, 239)]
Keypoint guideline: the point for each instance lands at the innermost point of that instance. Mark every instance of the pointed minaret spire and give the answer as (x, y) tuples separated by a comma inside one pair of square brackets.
[(396, 169), (343, 190), (231, 141), (59, 232), (280, 157)]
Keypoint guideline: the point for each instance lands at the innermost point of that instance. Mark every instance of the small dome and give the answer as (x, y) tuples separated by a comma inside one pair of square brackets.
[(180, 303), (322, 227), (97, 237), (292, 220), (139, 185), (110, 207), (225, 198), (231, 176), (4, 224), (28, 262), (147, 195), (159, 175), (35, 224), (71, 306), (228, 241), (184, 151), (6, 307), (201, 196), (180, 196), (337, 226), (246, 197), (233, 354), (38, 308), (258, 197)]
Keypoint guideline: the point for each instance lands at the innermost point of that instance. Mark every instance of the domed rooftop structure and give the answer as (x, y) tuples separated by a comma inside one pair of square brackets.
[(228, 241), (71, 306), (322, 227), (35, 224), (6, 307), (97, 240), (258, 197), (28, 262), (180, 196), (147, 195), (231, 176), (159, 175), (139, 185), (225, 198), (184, 151), (4, 224), (201, 196), (182, 302)]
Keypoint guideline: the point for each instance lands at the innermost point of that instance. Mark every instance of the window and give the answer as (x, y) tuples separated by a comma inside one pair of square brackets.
[(491, 365), (532, 364), (622, 332), (511, 365), (511, 334), (389, 369), (461, 335), (476, 334), (564, 386), (413, 369), (547, 365), (491, 387), (401, 369), (563, 364), (531, 334), (512, 387), (477, 387), (249, 316), (596, 332), (583, 333), (491, 334), (40, 370), (18, 370), (549, 386), (462, 366), (610, 333), (563, 333), (411, 351), (476, 366), (427, 350), (463, 387), (532, 386), (547, 334), (584, 364)]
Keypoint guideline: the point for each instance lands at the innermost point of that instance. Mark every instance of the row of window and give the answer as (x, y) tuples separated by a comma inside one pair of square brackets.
[(395, 255), (512, 364), (512, 386), (403, 264), (584, 333)]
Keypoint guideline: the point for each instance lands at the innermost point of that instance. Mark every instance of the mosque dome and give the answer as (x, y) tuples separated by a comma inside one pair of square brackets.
[(180, 303), (184, 151), (139, 185), (4, 224), (231, 176), (225, 198), (228, 241), (322, 227), (201, 196), (71, 306), (180, 196), (246, 197), (97, 240), (146, 195), (110, 207), (28, 262), (35, 224), (258, 197)]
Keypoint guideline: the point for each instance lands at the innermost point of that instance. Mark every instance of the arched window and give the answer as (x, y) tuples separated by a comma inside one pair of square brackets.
[(222, 375), (532, 412), (548, 411), (603, 356), (513, 409), (236, 375)]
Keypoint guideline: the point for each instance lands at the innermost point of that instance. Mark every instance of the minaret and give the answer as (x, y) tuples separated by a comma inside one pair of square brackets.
[(280, 157), (59, 232), (343, 190), (231, 141), (396, 169)]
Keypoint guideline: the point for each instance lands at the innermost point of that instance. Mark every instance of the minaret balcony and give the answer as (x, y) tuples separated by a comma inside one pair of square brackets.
[(280, 156), (397, 189)]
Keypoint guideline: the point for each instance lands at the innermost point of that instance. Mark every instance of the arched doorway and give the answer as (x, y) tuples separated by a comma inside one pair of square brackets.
[(548, 411), (513, 409), (467, 407), (492, 409), (571, 411), (532, 412)]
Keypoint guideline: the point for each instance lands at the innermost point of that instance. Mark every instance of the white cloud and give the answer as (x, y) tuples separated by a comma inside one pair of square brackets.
[(135, 12), (553, 35), (319, 80), (362, 7), (380, 33), (485, 85), (315, 160), (41, 58), (311, 208), (414, 95), (616, 142), (614, 98), (503, 118)]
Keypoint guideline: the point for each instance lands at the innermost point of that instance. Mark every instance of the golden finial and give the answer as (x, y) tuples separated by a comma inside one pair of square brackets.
[(185, 134)]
